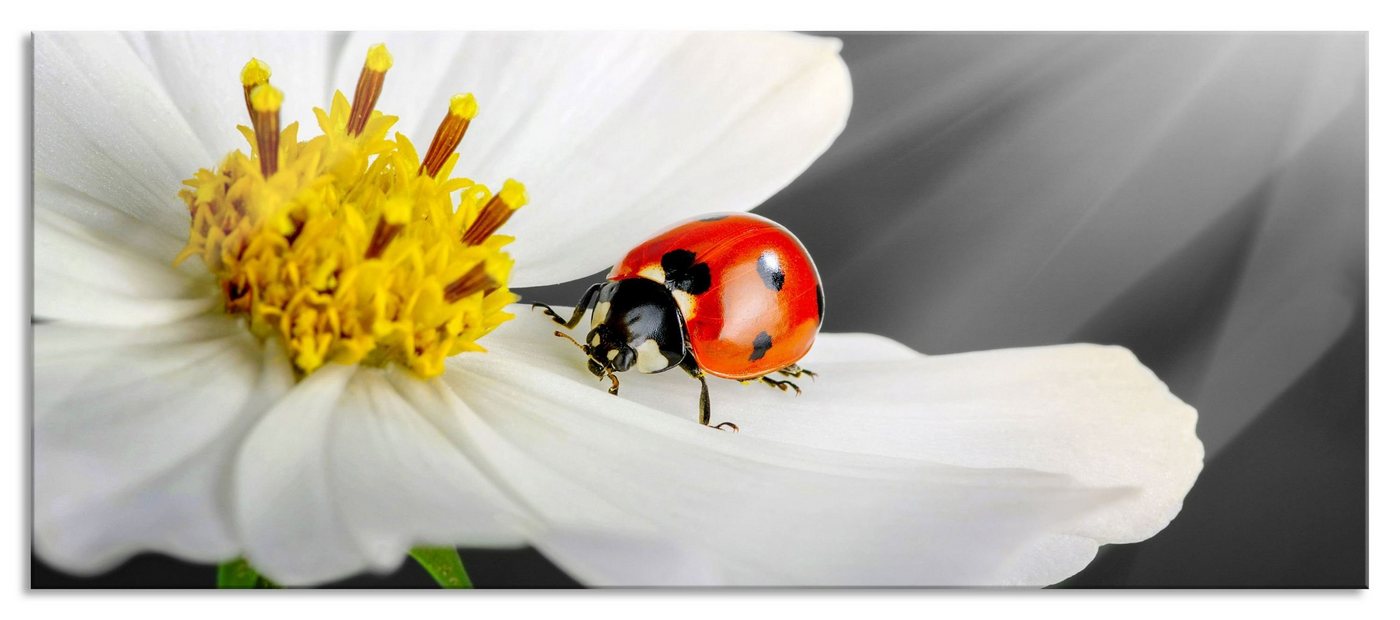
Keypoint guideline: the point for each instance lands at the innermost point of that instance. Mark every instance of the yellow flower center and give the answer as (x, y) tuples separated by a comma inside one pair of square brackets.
[(347, 247)]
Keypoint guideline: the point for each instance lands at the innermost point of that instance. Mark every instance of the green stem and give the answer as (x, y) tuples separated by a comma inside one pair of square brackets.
[(239, 574), (444, 565)]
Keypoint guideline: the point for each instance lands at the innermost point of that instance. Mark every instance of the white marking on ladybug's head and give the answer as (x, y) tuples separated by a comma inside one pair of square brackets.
[(600, 312), (612, 354), (650, 359), (595, 339), (653, 272), (686, 302)]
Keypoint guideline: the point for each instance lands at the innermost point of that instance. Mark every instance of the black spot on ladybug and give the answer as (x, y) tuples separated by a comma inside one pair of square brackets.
[(821, 303), (683, 273), (771, 270), (761, 343), (714, 218)]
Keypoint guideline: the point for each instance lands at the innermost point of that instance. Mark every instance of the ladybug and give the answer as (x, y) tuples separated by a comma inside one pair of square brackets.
[(733, 295)]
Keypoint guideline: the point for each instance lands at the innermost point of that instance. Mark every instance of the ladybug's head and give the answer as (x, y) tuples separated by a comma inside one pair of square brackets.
[(610, 353), (635, 324)]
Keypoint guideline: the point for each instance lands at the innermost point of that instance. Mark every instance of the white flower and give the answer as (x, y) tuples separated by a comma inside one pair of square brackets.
[(162, 423)]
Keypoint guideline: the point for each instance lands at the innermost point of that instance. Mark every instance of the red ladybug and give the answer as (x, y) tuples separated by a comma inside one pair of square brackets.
[(733, 295)]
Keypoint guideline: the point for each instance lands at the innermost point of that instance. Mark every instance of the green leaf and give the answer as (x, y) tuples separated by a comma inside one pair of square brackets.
[(239, 574), (444, 565)]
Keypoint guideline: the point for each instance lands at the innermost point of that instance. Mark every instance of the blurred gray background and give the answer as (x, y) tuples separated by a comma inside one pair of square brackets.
[(1198, 198)]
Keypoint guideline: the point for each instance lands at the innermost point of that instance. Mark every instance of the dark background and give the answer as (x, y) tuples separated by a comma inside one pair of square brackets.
[(1198, 198)]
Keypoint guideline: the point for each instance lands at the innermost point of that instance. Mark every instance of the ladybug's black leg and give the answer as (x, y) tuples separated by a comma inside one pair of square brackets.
[(688, 364), (583, 305), (796, 371), (782, 385), (693, 369), (613, 388)]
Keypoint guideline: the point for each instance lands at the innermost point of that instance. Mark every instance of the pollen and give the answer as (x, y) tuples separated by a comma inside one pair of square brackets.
[(346, 248)]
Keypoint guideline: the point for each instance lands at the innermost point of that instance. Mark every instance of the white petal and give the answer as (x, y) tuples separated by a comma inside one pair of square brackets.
[(752, 511), (57, 198), (847, 348), (1090, 412), (345, 475), (134, 435), (84, 276), (1049, 560), (105, 127), (283, 502), (400, 482), (200, 72), (602, 557), (617, 135)]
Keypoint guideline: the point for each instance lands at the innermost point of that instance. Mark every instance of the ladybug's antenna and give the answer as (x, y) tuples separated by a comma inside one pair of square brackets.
[(571, 339), (607, 371)]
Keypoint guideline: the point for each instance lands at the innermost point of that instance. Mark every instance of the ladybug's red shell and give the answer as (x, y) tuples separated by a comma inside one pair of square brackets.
[(750, 295)]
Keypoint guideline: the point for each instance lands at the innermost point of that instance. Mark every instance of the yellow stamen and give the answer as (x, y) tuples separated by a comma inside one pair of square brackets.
[(266, 103), (471, 282), (384, 232), (449, 133), (503, 205), (349, 251), (255, 73), (378, 58), (377, 63)]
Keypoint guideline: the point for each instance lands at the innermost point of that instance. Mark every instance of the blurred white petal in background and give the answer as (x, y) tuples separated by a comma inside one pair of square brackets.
[(1199, 198)]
